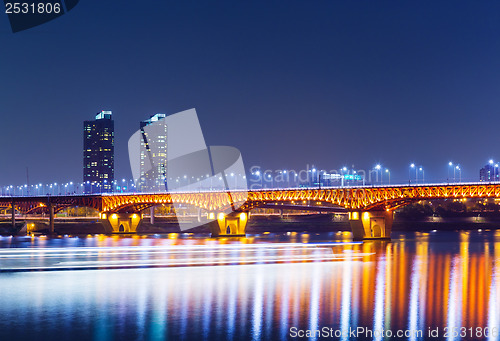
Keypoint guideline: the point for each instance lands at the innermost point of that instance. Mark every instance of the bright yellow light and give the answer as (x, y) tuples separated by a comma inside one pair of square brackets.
[(211, 215), (104, 216), (354, 215), (366, 215), (134, 215), (114, 216), (243, 216), (221, 216)]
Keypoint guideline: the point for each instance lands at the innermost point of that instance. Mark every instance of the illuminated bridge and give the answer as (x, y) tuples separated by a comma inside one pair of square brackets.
[(370, 208)]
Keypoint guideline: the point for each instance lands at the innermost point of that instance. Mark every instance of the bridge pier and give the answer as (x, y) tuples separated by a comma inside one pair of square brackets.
[(200, 216), (120, 222), (51, 219), (228, 225), (367, 225), (13, 213), (152, 215)]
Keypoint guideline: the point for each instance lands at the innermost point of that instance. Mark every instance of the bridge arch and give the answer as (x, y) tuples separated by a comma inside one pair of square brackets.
[(209, 201), (376, 231)]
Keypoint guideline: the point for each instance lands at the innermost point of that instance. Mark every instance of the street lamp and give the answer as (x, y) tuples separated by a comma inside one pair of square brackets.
[(423, 174), (272, 180), (460, 172), (235, 180), (344, 169), (389, 174), (494, 169), (450, 164), (312, 176), (377, 168), (409, 173), (257, 173)]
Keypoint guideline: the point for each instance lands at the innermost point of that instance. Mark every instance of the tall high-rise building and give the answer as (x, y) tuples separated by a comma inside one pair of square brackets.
[(153, 154), (98, 153), (489, 172)]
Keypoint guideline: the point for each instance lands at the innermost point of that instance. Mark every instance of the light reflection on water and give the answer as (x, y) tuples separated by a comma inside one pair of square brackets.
[(418, 281)]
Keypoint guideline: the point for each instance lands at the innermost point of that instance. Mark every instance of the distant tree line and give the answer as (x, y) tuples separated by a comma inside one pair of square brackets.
[(449, 208)]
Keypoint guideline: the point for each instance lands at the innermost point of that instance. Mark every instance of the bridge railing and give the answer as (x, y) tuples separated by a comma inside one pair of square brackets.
[(8, 191)]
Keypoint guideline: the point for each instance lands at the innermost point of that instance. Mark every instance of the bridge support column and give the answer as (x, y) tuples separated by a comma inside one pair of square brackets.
[(120, 222), (152, 215), (13, 207), (230, 225), (51, 219), (371, 224), (200, 218)]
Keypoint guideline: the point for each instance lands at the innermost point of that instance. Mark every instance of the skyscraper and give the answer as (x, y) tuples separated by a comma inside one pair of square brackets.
[(489, 173), (153, 154), (98, 153)]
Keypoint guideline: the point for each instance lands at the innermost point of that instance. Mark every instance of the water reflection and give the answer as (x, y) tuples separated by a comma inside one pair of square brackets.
[(417, 282)]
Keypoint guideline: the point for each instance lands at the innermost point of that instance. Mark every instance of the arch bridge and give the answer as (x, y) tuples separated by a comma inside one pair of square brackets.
[(370, 208)]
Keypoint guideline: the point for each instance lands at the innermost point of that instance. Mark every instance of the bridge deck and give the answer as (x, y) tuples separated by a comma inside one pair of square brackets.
[(385, 197)]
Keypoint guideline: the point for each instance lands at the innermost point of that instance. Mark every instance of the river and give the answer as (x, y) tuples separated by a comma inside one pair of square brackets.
[(266, 286)]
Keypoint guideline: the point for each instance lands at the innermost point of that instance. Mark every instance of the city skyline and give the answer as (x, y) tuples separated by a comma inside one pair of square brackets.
[(285, 96), (416, 172)]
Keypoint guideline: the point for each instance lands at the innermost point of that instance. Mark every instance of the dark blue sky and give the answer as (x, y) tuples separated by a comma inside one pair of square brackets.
[(288, 83)]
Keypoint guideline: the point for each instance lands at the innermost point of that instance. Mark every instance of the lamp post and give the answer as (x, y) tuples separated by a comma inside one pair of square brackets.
[(378, 168), (344, 169), (495, 173), (235, 180), (287, 177), (257, 173), (319, 178), (450, 164), (389, 174), (423, 173), (409, 173), (269, 177), (491, 165), (460, 172)]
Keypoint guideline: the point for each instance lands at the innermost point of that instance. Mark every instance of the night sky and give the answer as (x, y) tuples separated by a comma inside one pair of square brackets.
[(290, 83)]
